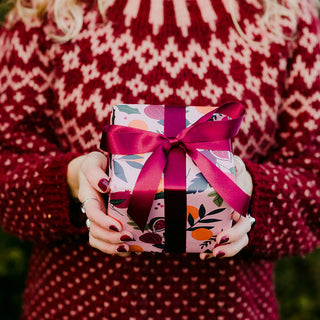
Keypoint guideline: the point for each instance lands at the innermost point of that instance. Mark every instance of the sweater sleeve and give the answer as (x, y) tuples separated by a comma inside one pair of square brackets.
[(34, 195), (286, 198)]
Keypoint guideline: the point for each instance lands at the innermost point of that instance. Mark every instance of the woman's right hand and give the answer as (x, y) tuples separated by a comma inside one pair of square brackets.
[(88, 180)]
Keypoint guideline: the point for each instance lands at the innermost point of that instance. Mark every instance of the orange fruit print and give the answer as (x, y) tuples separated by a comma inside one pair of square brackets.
[(135, 248), (193, 211), (205, 109), (138, 124), (201, 234)]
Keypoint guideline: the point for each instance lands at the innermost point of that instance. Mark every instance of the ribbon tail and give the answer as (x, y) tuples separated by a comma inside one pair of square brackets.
[(145, 189), (175, 201), (223, 185)]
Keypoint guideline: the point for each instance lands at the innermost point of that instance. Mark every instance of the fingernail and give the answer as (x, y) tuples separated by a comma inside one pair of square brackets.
[(103, 184), (125, 238), (122, 249), (113, 228), (224, 240), (220, 254)]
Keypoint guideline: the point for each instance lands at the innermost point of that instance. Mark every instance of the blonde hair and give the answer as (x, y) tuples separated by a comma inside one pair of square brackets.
[(68, 15), (273, 9)]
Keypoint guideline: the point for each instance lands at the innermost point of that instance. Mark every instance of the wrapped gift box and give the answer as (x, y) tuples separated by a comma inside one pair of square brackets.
[(202, 211)]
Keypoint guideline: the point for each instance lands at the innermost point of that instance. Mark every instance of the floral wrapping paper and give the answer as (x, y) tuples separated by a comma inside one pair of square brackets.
[(206, 215)]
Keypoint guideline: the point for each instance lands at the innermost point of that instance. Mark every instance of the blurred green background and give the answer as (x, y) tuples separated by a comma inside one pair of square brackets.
[(297, 278)]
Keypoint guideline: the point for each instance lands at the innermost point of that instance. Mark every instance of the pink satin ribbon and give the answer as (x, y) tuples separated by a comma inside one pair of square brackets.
[(203, 134)]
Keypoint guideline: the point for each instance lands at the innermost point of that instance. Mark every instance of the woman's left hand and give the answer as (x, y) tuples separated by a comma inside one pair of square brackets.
[(230, 242)]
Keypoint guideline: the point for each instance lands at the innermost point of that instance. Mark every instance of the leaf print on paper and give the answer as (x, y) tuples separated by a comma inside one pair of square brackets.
[(159, 195), (200, 222), (195, 228), (130, 160), (135, 165), (201, 217), (202, 211), (113, 117), (159, 246), (127, 109), (216, 211), (131, 157), (118, 202), (190, 220), (135, 226), (120, 199), (218, 116), (118, 171), (193, 211), (217, 199), (208, 242), (233, 170), (198, 184), (210, 220)]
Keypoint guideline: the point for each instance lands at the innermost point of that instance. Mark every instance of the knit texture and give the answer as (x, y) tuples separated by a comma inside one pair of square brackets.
[(56, 98)]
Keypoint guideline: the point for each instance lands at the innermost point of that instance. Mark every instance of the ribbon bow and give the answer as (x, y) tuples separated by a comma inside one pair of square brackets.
[(203, 134)]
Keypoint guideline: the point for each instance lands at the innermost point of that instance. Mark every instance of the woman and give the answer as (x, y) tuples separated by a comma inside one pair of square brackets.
[(60, 75)]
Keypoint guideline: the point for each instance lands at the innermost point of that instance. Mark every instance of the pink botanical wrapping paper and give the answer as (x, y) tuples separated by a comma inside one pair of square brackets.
[(206, 215)]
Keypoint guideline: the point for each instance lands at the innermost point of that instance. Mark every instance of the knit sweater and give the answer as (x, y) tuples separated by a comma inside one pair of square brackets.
[(55, 99)]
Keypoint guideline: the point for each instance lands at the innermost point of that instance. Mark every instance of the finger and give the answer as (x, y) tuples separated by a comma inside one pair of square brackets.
[(86, 190), (241, 228), (95, 212), (94, 169), (93, 202), (231, 249), (239, 165), (205, 256), (236, 216), (112, 237), (244, 180), (108, 247)]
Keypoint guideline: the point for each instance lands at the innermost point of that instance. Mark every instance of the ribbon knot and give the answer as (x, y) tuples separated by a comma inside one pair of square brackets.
[(175, 142), (203, 134)]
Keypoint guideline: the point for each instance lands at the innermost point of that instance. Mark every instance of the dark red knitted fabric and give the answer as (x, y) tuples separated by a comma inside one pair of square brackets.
[(55, 99)]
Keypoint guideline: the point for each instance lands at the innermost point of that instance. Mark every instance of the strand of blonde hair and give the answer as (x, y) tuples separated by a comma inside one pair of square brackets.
[(272, 10)]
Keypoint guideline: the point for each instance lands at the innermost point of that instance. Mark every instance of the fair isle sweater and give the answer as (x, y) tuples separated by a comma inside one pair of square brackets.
[(55, 99)]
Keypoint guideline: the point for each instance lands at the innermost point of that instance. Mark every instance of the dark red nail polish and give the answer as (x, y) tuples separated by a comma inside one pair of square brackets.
[(113, 228), (125, 238), (103, 184), (224, 240), (122, 249), (220, 254), (216, 245)]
